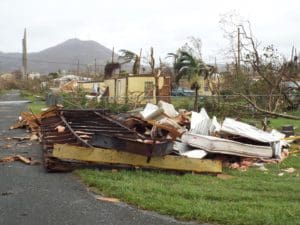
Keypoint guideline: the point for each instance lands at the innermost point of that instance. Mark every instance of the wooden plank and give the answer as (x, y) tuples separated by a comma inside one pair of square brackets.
[(110, 156)]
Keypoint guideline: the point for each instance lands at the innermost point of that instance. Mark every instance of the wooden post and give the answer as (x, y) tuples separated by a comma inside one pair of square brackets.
[(115, 90), (239, 51), (24, 56), (139, 63), (113, 55), (126, 89), (95, 67)]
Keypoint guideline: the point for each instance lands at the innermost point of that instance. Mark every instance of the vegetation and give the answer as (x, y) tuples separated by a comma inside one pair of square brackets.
[(37, 106), (252, 197), (37, 102), (188, 64), (260, 76), (131, 57)]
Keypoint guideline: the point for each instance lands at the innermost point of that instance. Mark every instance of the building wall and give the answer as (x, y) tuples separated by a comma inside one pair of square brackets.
[(90, 86), (136, 89), (121, 90), (204, 88), (111, 87)]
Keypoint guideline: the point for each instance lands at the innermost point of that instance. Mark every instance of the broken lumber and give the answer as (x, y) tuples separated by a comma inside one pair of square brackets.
[(111, 156), (23, 159), (13, 158)]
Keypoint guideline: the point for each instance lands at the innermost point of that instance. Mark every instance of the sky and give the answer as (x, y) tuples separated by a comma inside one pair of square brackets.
[(134, 24)]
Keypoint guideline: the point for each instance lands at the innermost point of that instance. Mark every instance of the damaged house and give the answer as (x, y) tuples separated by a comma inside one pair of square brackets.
[(139, 89)]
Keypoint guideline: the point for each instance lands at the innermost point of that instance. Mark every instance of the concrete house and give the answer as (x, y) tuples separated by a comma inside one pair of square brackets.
[(138, 89)]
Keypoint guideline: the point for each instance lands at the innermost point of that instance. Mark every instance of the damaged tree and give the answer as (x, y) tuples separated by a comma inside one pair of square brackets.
[(259, 76), (129, 57), (188, 64)]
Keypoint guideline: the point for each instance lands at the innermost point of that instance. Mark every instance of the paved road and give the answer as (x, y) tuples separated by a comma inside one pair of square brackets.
[(30, 196)]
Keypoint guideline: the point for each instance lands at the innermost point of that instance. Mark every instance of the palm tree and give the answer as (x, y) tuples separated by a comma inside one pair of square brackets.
[(129, 56), (188, 66)]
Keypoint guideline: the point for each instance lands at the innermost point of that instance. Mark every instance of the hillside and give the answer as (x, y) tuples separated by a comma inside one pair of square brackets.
[(63, 56)]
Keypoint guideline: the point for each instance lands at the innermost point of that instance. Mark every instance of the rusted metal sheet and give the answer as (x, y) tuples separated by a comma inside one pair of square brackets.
[(91, 128), (142, 147)]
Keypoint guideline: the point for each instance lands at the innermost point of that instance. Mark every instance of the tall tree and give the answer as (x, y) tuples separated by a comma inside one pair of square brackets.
[(191, 67)]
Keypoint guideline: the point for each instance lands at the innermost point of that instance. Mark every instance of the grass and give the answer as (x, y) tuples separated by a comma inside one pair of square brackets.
[(252, 197), (183, 102), (279, 122), (36, 104)]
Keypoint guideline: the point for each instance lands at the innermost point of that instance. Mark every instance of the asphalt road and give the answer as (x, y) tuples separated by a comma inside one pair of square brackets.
[(30, 196)]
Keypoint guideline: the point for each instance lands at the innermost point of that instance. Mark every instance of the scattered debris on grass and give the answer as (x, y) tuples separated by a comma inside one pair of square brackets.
[(107, 199), (290, 170), (224, 176), (155, 131)]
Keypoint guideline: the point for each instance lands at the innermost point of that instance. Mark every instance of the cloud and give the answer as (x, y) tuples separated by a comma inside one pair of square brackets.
[(136, 24)]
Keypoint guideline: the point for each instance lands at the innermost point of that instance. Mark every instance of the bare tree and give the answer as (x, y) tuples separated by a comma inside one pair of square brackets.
[(259, 74)]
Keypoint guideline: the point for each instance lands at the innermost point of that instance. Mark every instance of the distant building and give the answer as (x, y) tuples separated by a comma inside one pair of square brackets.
[(94, 87), (138, 89), (67, 78), (34, 76), (208, 86), (7, 76), (204, 86)]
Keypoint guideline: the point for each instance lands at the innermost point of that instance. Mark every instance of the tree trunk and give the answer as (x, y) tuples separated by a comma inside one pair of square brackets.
[(196, 100)]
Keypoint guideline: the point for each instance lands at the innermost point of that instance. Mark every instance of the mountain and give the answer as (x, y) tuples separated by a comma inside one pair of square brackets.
[(63, 56)]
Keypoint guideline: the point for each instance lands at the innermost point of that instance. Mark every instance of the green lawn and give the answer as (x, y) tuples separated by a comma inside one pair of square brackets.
[(36, 104), (279, 122), (251, 197)]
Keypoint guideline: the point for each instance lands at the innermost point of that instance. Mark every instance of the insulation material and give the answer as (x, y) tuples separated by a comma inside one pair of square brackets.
[(196, 154), (200, 123), (214, 126), (168, 109), (150, 111), (234, 127), (180, 147), (226, 146)]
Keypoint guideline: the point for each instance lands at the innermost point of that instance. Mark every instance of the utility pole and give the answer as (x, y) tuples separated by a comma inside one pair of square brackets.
[(24, 55), (78, 67), (239, 50), (95, 67), (152, 60), (216, 65), (113, 55), (88, 70), (139, 66)]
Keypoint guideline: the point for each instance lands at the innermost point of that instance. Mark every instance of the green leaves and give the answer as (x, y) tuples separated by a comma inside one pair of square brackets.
[(189, 66)]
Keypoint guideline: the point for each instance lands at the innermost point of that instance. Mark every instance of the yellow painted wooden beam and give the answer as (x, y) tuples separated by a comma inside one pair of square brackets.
[(110, 156)]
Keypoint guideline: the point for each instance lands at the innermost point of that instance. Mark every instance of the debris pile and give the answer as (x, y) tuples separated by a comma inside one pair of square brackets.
[(157, 136), (196, 135), (33, 121)]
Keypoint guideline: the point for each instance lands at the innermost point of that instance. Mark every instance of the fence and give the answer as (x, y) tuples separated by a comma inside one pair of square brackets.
[(222, 105)]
